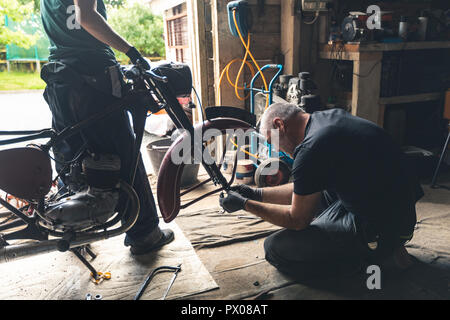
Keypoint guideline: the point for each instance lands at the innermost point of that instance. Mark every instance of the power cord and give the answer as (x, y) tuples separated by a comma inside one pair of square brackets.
[(316, 16)]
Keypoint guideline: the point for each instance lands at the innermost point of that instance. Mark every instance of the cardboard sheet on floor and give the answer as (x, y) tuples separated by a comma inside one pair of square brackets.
[(61, 276), (213, 228)]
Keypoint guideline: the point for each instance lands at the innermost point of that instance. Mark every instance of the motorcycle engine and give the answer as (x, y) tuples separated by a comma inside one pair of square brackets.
[(94, 203)]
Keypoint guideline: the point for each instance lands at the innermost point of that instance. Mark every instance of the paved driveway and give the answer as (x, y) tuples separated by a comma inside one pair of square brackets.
[(24, 111), (29, 111)]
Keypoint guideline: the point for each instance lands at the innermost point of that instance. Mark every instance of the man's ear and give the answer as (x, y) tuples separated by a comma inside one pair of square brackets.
[(279, 124)]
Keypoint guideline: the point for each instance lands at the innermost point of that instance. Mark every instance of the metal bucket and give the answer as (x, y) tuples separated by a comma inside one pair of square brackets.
[(157, 150)]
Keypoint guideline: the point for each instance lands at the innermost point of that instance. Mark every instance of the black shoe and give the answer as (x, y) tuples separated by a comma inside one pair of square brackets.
[(149, 244)]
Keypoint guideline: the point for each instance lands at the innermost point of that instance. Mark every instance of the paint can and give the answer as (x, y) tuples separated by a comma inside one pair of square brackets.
[(245, 172)]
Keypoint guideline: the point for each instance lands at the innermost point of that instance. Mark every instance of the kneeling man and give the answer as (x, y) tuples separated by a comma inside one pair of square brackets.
[(351, 202)]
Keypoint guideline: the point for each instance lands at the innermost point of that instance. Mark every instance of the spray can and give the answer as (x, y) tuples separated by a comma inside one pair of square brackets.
[(403, 28), (423, 24)]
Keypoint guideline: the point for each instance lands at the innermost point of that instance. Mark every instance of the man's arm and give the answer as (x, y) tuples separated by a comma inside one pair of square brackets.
[(93, 22), (278, 195), (298, 216)]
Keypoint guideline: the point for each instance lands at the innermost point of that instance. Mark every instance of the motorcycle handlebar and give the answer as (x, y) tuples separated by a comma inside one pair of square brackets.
[(156, 77), (135, 72)]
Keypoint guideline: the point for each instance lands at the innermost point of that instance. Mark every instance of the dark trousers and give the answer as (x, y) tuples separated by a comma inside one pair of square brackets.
[(332, 245), (112, 135)]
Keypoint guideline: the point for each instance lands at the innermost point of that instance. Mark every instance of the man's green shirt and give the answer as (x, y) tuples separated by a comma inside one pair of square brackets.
[(69, 42)]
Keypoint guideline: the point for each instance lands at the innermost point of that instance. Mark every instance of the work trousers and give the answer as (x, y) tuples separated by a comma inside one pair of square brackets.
[(111, 135), (333, 245)]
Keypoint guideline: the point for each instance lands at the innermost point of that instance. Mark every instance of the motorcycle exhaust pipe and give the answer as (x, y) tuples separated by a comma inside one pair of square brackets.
[(20, 251)]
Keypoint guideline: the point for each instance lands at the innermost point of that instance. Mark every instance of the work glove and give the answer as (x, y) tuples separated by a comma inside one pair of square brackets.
[(255, 194), (232, 202), (137, 58)]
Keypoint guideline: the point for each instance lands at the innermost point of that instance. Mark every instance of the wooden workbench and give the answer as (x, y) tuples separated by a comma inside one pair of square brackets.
[(367, 66)]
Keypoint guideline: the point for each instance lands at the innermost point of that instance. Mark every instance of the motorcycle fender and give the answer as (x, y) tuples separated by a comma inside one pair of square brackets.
[(169, 178)]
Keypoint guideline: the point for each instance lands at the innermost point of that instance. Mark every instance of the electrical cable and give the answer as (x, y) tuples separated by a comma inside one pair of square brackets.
[(316, 16), (200, 104), (195, 91)]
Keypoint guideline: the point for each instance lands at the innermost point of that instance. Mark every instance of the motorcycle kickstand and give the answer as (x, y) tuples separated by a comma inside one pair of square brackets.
[(77, 252)]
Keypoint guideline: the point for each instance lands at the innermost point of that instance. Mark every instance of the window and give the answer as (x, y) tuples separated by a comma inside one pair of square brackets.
[(177, 33)]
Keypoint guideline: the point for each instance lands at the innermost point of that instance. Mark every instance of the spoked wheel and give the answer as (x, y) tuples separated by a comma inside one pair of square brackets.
[(272, 172)]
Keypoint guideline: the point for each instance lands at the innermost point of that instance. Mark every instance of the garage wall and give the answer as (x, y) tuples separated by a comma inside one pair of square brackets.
[(265, 44)]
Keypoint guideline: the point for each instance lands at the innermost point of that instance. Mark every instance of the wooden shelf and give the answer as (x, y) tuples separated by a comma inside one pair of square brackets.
[(366, 59), (398, 46), (354, 51), (410, 98)]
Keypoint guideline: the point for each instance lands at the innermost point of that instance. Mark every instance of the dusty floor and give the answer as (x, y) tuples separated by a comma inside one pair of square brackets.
[(240, 270), (237, 264)]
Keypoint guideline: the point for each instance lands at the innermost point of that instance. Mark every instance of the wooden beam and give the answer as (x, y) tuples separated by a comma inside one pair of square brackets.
[(345, 55), (411, 98), (197, 39), (290, 37), (368, 47), (226, 48), (366, 86)]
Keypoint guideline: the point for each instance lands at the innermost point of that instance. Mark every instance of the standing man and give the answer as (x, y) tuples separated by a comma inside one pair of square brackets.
[(351, 201), (82, 79)]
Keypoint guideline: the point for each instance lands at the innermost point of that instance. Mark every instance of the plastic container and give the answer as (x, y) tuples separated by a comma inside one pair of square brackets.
[(157, 150)]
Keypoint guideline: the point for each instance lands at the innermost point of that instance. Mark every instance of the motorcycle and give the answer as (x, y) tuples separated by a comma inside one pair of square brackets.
[(84, 210)]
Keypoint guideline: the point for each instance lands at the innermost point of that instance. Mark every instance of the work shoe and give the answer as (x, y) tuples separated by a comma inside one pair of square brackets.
[(399, 261), (153, 241)]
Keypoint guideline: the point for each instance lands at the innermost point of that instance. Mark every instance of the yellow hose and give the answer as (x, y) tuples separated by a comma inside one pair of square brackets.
[(244, 62), (247, 51), (243, 150)]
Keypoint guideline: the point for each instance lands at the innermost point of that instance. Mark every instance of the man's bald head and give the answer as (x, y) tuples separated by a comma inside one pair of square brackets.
[(283, 111), (283, 124)]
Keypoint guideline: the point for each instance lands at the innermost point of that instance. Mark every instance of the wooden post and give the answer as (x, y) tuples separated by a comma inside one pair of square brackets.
[(226, 48), (366, 86), (38, 66), (290, 37), (197, 38)]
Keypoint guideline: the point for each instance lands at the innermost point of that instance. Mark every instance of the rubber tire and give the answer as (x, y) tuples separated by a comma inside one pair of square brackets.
[(280, 177)]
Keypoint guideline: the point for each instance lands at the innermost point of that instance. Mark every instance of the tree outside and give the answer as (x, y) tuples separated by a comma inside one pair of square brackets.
[(18, 11), (134, 21), (140, 27)]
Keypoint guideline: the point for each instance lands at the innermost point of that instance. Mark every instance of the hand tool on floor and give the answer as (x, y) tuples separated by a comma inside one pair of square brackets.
[(152, 274), (171, 282)]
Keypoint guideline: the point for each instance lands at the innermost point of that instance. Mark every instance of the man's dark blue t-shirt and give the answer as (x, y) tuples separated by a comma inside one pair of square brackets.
[(360, 163)]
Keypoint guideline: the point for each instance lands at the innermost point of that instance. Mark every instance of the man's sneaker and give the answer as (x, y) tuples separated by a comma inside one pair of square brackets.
[(153, 241)]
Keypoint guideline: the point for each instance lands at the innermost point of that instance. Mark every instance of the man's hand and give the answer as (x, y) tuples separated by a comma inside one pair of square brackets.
[(137, 58), (233, 202), (249, 192)]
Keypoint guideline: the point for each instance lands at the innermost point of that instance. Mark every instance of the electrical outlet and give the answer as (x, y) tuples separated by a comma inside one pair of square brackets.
[(315, 5)]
